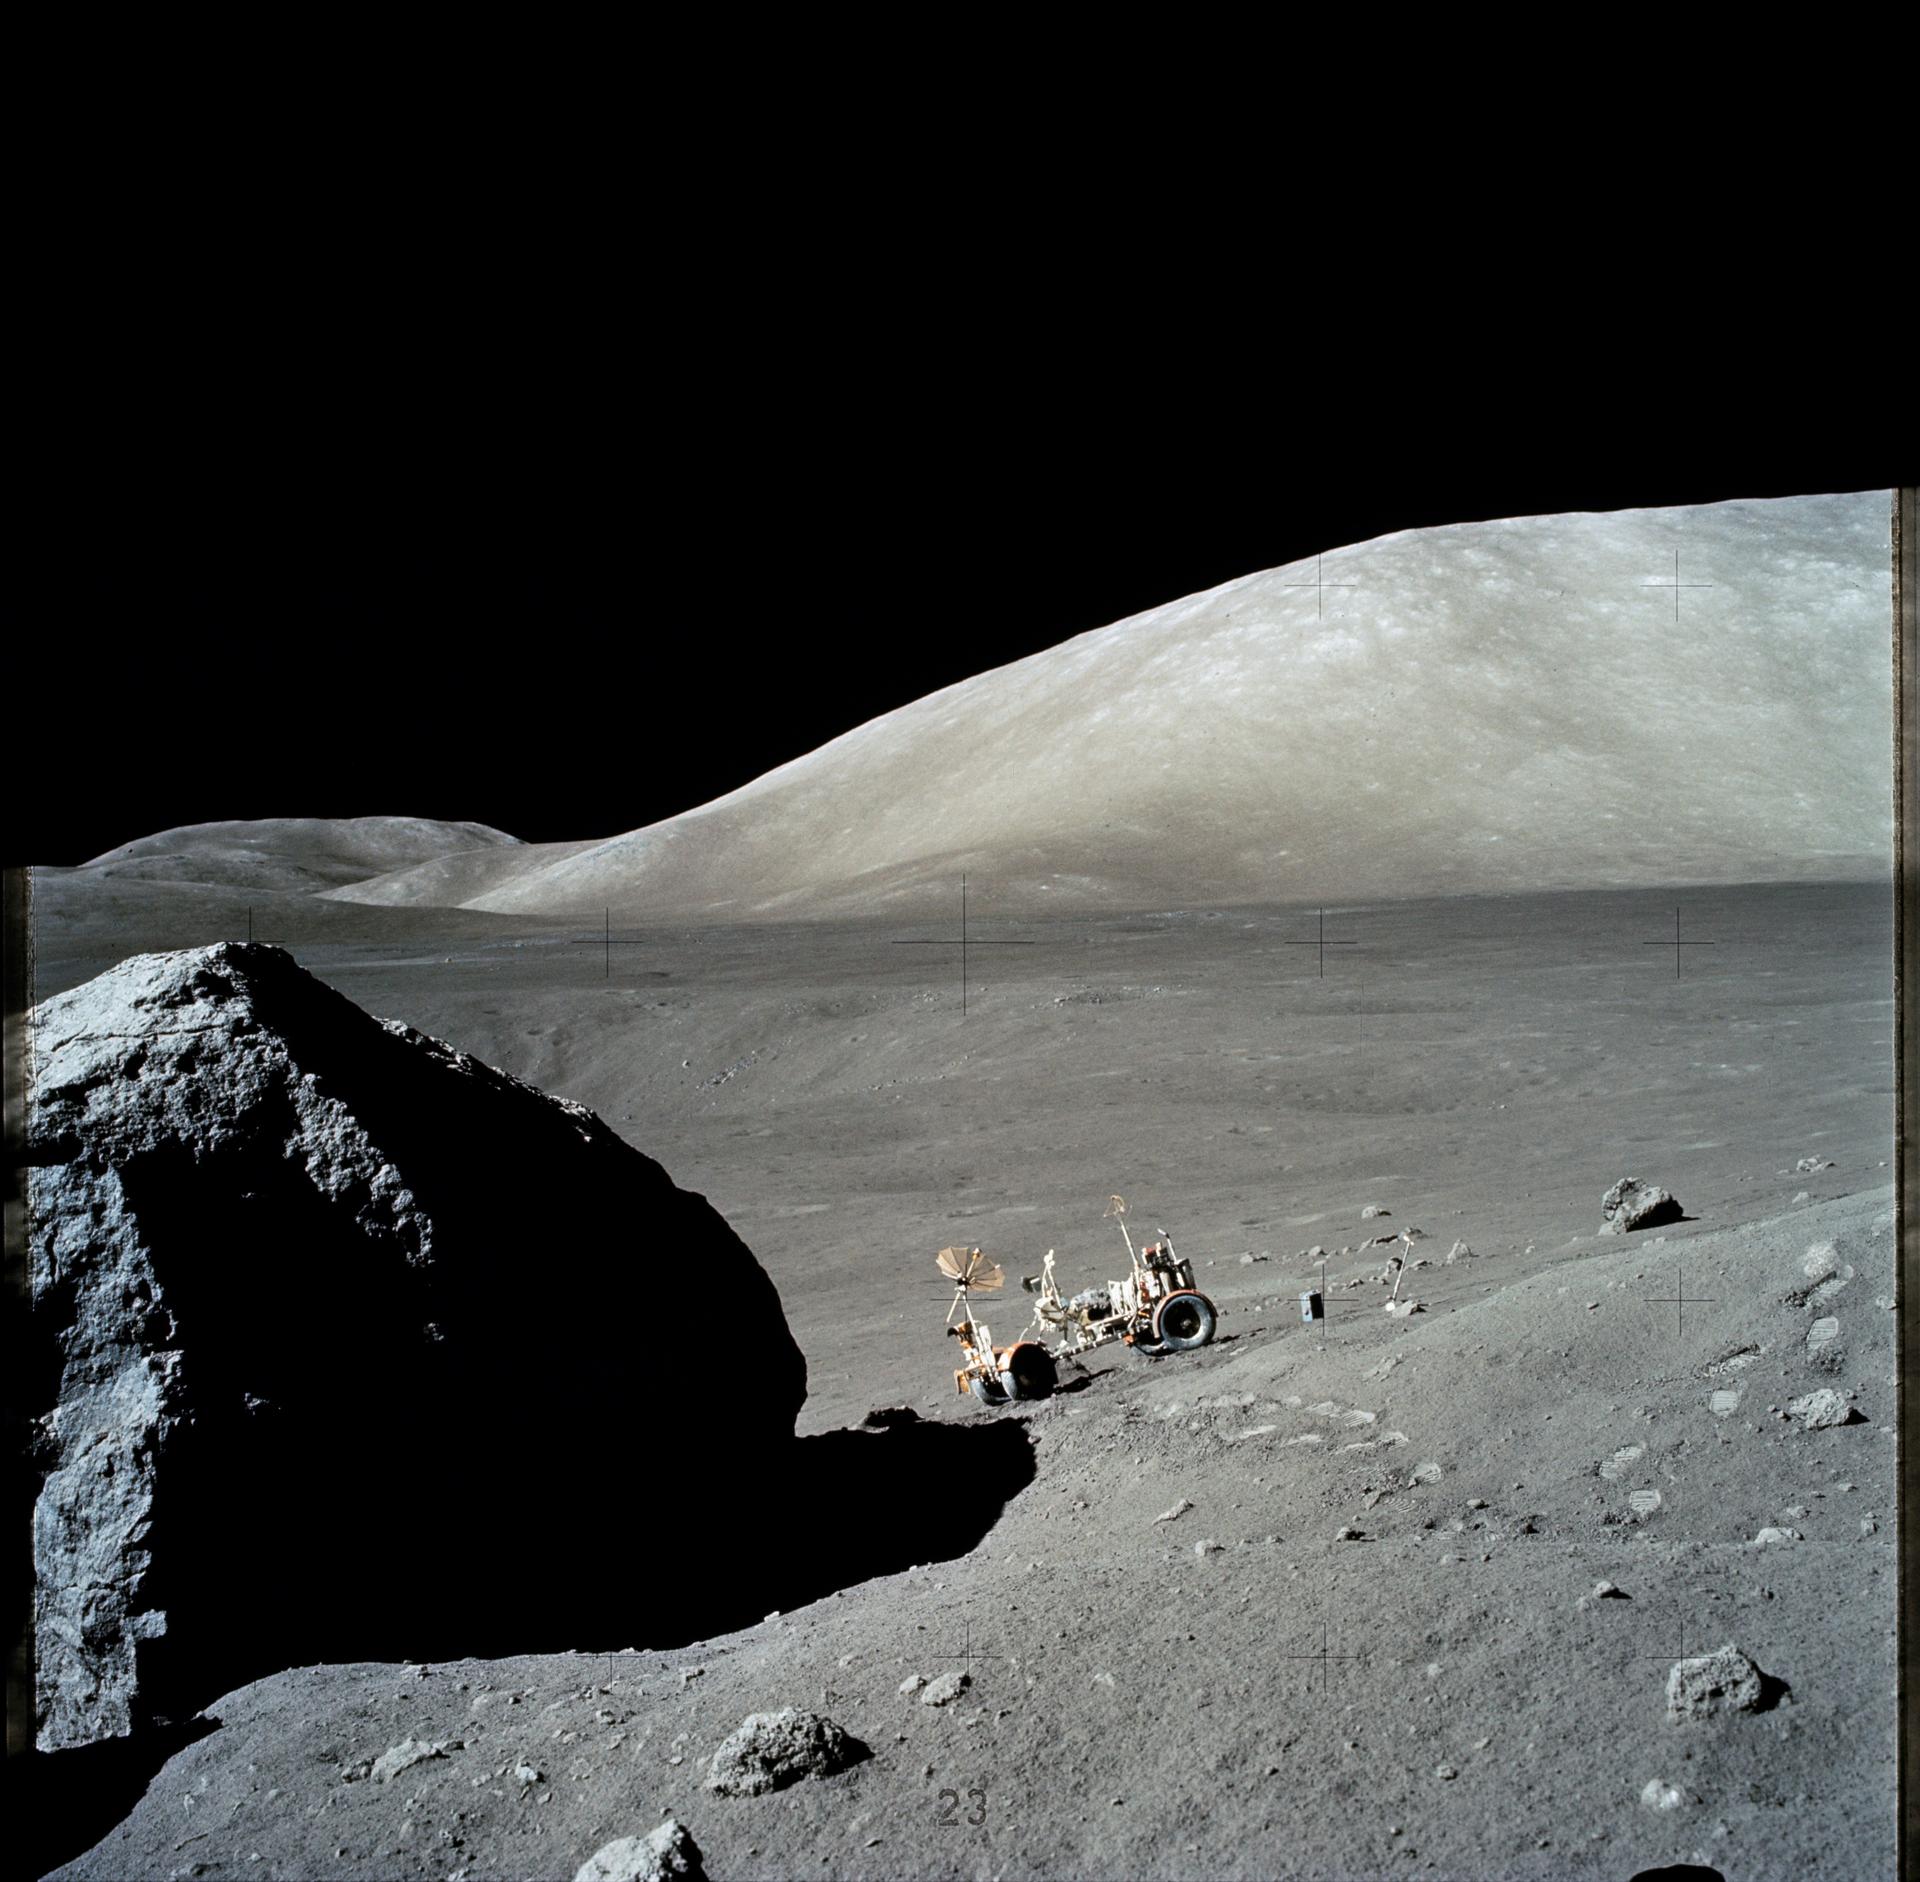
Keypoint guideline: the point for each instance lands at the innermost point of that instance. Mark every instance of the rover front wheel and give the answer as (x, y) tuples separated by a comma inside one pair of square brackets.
[(1029, 1371), (1183, 1321)]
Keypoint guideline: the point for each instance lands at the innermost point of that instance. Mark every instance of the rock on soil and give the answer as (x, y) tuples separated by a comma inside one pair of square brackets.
[(1821, 1260), (1825, 1407), (1630, 1204), (277, 1250), (945, 1689), (768, 1751), (1725, 1680), (667, 1854), (401, 1757)]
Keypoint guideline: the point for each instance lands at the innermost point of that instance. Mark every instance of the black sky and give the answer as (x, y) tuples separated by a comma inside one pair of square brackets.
[(310, 606), (377, 453)]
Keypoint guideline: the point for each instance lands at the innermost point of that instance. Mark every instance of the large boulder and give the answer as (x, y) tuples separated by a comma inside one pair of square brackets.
[(339, 1334), (1631, 1204)]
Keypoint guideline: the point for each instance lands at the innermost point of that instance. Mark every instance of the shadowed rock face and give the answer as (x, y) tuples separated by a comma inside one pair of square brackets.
[(340, 1336)]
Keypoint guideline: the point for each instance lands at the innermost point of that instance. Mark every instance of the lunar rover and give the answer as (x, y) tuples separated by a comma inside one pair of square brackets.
[(1155, 1309)]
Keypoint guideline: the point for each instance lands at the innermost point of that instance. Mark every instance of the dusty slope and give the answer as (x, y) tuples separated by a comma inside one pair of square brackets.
[(274, 855), (1153, 1705), (1483, 1069), (1483, 707)]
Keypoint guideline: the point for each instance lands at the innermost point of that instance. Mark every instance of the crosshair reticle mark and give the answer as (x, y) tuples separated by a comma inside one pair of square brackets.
[(1323, 1657), (936, 941), (1668, 1658), (1321, 942), (1313, 1306), (1676, 585), (606, 943), (1319, 586), (621, 1653), (1679, 1300), (1677, 944), (968, 1651)]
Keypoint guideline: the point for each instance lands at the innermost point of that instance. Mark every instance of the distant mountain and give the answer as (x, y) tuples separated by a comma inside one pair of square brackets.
[(279, 854), (1693, 695)]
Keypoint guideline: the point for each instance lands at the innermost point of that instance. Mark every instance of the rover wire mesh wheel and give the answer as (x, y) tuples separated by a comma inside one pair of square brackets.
[(987, 1391), (1183, 1321), (1029, 1371)]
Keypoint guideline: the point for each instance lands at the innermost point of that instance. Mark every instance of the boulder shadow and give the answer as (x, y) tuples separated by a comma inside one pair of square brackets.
[(674, 1542), (820, 1514), (59, 1804)]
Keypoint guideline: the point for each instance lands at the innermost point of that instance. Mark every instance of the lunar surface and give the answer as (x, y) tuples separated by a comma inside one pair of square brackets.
[(1542, 1551)]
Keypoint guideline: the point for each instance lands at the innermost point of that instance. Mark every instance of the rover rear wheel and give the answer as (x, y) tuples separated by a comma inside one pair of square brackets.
[(987, 1391), (1183, 1321)]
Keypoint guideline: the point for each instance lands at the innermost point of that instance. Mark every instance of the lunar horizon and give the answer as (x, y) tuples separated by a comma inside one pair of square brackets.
[(1367, 923)]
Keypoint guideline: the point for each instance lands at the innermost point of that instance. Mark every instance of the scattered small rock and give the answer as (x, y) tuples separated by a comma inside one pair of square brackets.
[(1808, 1164), (1401, 1308), (948, 1687), (1771, 1535), (1173, 1515), (1800, 1195), (1445, 1771), (1207, 1546), (1816, 1410), (1606, 1591), (1822, 1333), (913, 1682), (1643, 1502), (1459, 1252), (1708, 1684), (1349, 1534), (1659, 1796), (527, 1775), (1424, 1473), (665, 1854), (409, 1752), (1631, 1204), (1371, 1210), (769, 1750)]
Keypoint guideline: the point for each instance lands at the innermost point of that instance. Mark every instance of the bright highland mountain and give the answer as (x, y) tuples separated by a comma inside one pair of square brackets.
[(1489, 707)]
